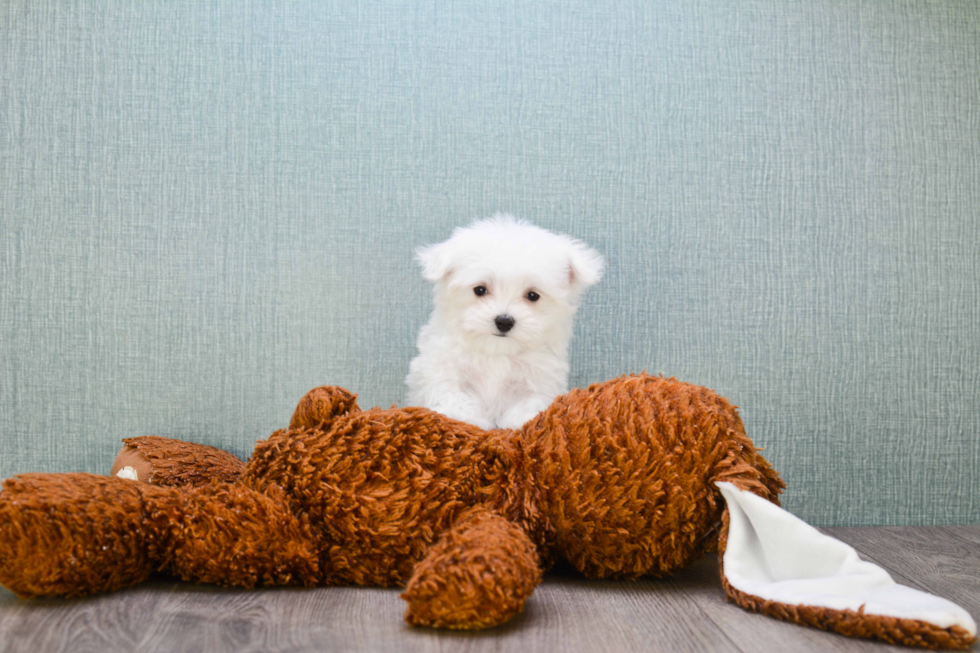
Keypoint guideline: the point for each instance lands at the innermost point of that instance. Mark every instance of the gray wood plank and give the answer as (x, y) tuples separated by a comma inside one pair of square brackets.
[(567, 612), (937, 560), (969, 533), (650, 615), (105, 623), (754, 632), (206, 618)]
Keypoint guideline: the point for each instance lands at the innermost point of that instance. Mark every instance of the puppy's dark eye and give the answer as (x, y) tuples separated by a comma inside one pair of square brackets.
[(532, 296), (480, 291)]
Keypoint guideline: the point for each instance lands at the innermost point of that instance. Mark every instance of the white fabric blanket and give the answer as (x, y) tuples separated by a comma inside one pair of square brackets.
[(774, 555)]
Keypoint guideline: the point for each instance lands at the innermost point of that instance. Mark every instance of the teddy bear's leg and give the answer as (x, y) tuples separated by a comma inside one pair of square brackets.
[(320, 405), (163, 461), (776, 564), (234, 535), (77, 534), (478, 575)]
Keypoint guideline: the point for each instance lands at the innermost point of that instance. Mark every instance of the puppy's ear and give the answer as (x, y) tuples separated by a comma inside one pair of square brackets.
[(436, 261), (585, 266)]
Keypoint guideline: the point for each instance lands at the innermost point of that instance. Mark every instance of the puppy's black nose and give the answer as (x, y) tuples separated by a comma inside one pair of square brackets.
[(504, 323)]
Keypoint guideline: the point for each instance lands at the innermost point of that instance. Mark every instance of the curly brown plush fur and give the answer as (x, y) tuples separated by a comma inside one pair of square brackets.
[(616, 478)]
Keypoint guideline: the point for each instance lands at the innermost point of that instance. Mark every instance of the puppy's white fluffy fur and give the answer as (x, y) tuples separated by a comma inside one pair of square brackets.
[(468, 368)]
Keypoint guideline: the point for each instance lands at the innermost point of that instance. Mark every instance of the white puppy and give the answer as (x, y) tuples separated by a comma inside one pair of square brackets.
[(495, 351)]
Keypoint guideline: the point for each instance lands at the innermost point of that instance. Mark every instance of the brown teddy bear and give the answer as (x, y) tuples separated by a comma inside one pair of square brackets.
[(639, 475)]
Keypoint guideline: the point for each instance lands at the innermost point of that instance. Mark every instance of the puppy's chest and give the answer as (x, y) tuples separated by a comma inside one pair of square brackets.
[(498, 380)]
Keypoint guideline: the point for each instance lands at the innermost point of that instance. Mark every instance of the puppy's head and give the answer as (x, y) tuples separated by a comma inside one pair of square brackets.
[(505, 285)]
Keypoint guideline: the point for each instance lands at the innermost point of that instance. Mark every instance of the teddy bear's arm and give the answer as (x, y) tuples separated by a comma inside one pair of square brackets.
[(163, 461), (478, 575)]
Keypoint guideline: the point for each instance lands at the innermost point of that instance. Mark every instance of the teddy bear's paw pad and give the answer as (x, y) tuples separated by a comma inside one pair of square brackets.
[(128, 473)]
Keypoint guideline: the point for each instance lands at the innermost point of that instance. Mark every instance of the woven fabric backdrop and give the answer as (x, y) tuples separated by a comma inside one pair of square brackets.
[(210, 207)]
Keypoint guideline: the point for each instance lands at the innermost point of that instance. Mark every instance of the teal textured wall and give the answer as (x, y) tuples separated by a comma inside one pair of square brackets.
[(209, 207)]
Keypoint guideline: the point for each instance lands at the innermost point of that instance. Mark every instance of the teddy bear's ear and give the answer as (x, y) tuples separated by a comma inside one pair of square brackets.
[(320, 406), (436, 261), (585, 265)]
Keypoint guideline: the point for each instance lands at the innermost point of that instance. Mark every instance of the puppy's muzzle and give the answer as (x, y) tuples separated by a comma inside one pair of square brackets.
[(504, 323)]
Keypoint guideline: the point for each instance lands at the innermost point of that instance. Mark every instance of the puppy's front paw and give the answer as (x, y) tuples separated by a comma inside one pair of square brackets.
[(470, 418), (511, 421), (461, 408), (522, 413)]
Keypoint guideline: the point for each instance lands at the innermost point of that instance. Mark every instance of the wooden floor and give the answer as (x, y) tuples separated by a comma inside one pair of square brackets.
[(566, 613)]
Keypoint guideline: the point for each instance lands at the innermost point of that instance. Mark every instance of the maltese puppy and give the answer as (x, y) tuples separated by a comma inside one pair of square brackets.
[(495, 350)]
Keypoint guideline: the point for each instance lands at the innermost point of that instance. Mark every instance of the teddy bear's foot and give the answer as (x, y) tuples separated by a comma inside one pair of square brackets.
[(77, 534), (776, 564), (163, 461), (478, 575)]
